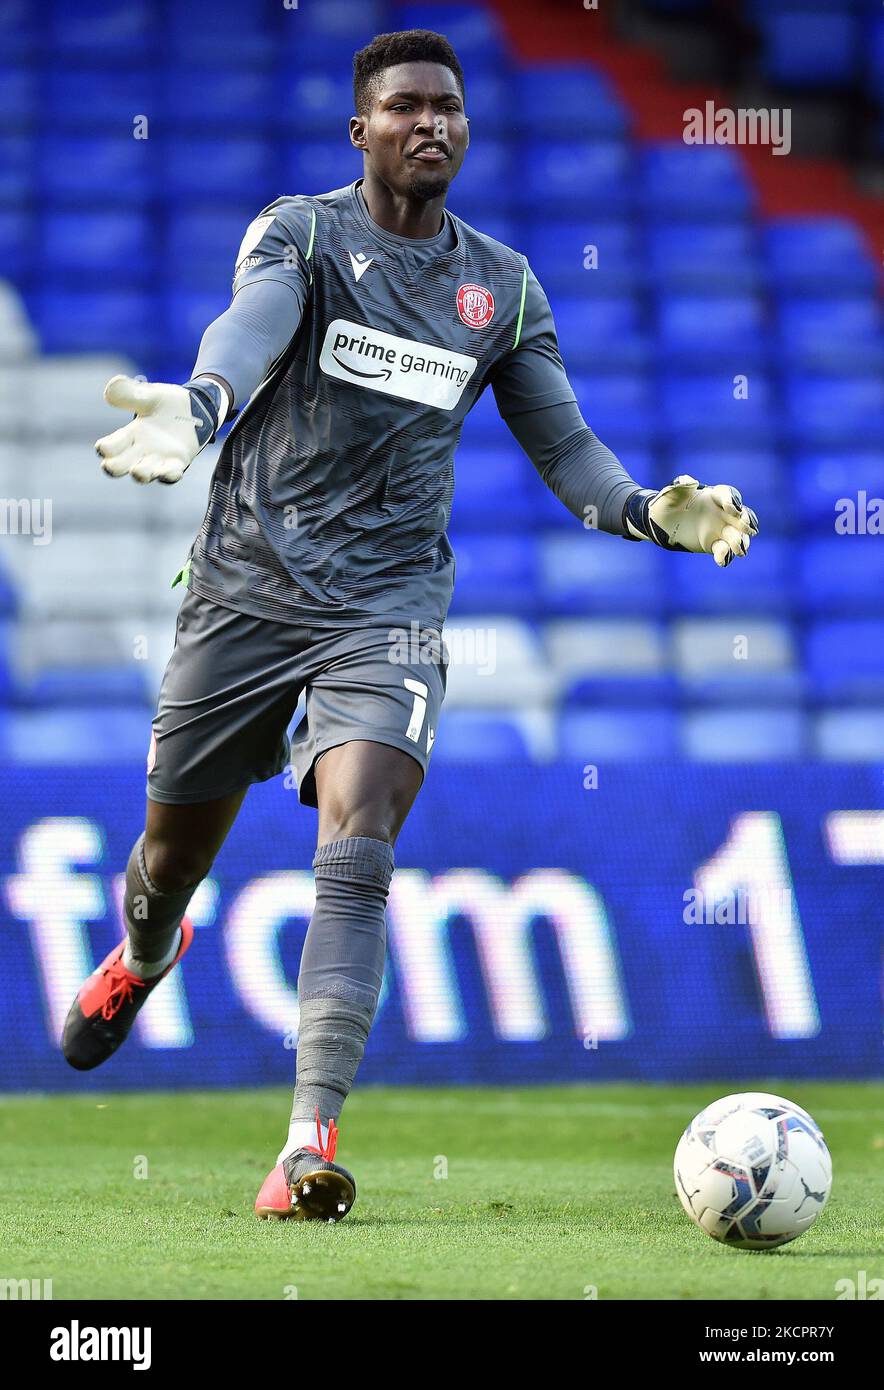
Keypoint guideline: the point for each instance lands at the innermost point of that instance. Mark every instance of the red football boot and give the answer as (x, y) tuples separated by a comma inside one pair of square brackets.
[(308, 1186), (106, 1007)]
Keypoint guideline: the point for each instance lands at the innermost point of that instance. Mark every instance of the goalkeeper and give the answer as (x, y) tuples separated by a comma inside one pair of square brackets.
[(365, 324)]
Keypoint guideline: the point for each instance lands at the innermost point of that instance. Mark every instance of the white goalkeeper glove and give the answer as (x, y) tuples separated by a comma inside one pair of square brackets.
[(687, 515), (171, 425)]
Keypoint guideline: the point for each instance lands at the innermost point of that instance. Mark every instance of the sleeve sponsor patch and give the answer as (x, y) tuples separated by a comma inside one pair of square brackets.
[(254, 232)]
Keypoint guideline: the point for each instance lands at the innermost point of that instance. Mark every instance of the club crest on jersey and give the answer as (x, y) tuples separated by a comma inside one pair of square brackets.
[(475, 305)]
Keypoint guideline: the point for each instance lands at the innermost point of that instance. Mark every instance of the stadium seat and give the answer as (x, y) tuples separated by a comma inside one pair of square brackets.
[(842, 574), (482, 736), (826, 476), (724, 406), (707, 256), (93, 320), (18, 175), (100, 734), (595, 573), (741, 658), (313, 166), (608, 661), (845, 659), (620, 407), (579, 174), (577, 259), (604, 329), (243, 97), (591, 737), (494, 661), (119, 245), (684, 182), (206, 240), (314, 98), (709, 327), (831, 332), (743, 733), (816, 253), (18, 96), (809, 45), (197, 168), (584, 100), (496, 484), (822, 408), (495, 570), (475, 31), (762, 582), (102, 98), (109, 28), (90, 686), (849, 735), (82, 168), (61, 397)]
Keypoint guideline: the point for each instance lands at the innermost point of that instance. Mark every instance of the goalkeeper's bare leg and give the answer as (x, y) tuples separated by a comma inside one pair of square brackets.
[(167, 864)]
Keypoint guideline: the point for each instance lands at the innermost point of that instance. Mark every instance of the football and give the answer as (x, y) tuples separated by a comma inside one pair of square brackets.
[(753, 1170)]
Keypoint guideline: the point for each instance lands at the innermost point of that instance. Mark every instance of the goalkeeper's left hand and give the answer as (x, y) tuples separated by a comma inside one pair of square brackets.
[(687, 515)]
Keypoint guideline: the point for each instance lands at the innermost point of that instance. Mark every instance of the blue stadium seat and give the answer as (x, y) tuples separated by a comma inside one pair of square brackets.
[(94, 320), (480, 736), (494, 486), (826, 476), (557, 252), (762, 582), (84, 167), (240, 98), (809, 45), (845, 658), (708, 256), (843, 574), (316, 102), (495, 572), (18, 96), (112, 243), (595, 573), (831, 332), (16, 238), (820, 409), (204, 241), (197, 168), (315, 166), (596, 736), (604, 328), (710, 326), (581, 175), (816, 253), (551, 96), (105, 98), (188, 312), (696, 404), (489, 106), (338, 20), (18, 176), (7, 673), (21, 26), (91, 686), (738, 733), (849, 735), (679, 181), (485, 177), (475, 31), (106, 28), (619, 407), (102, 734)]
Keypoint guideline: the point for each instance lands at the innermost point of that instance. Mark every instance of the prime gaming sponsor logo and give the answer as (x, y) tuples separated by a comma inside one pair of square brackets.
[(402, 367)]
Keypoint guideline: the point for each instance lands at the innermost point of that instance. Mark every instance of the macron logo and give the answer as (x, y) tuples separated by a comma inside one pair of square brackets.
[(360, 264)]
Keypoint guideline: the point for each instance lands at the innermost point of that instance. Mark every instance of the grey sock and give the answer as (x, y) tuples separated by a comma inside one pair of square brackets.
[(342, 968), (153, 918)]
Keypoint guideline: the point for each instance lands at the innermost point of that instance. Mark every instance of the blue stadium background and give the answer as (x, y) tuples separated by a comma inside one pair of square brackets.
[(703, 333)]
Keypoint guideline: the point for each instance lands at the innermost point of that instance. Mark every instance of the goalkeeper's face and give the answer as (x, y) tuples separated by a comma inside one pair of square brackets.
[(416, 133)]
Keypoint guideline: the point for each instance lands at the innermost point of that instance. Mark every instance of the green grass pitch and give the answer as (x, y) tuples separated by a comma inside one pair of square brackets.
[(549, 1193)]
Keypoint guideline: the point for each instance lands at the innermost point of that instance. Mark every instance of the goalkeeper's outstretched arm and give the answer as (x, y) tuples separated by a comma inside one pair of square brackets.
[(536, 400), (173, 423)]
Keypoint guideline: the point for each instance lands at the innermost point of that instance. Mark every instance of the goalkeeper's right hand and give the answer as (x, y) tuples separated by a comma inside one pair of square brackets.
[(172, 424)]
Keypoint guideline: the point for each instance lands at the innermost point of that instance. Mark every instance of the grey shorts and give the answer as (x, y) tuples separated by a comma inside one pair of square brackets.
[(233, 682)]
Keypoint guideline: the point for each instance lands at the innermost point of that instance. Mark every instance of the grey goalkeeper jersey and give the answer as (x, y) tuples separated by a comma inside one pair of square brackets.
[(332, 493)]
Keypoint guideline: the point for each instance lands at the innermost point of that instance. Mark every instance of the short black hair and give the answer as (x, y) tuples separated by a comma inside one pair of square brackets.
[(388, 50)]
